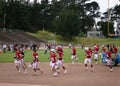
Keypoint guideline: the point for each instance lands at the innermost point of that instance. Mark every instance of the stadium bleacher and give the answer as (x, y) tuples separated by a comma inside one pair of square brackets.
[(17, 37)]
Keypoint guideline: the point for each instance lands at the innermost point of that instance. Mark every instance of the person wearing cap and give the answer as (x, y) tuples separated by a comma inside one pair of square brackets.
[(60, 61), (35, 63), (88, 59), (53, 63), (96, 53), (19, 61)]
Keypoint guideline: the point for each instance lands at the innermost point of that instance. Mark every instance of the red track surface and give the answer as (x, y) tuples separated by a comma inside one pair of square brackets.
[(76, 76)]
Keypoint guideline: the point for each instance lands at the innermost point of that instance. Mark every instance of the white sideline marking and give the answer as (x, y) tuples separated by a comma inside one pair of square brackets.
[(6, 84)]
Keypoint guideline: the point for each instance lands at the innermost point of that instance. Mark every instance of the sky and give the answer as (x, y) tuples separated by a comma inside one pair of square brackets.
[(103, 4)]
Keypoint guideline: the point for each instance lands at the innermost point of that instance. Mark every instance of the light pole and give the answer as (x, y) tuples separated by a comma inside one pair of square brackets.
[(43, 25), (108, 18), (4, 21)]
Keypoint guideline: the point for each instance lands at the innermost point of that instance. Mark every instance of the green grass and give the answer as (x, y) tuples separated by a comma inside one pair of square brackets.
[(8, 56), (100, 41), (46, 36)]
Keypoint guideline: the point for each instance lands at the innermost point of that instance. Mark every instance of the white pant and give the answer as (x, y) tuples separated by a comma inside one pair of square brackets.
[(95, 56), (109, 61), (19, 62), (74, 57), (16, 62), (35, 65), (53, 65), (88, 60), (60, 63)]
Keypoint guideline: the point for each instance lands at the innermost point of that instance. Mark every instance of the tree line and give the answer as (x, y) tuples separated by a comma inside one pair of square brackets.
[(68, 18)]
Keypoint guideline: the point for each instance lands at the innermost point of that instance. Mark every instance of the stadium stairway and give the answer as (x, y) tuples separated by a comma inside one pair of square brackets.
[(17, 37)]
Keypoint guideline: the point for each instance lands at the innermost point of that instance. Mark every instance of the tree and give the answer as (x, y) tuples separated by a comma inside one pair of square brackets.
[(35, 16), (17, 16), (2, 12), (68, 24), (77, 16), (93, 11), (104, 28), (114, 14), (1, 6), (88, 11), (54, 9)]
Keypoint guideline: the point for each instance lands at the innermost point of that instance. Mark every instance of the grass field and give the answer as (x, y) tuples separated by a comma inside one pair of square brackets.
[(8, 56), (46, 36)]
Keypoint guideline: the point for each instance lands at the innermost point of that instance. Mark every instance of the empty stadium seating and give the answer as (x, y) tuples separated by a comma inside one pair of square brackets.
[(17, 37)]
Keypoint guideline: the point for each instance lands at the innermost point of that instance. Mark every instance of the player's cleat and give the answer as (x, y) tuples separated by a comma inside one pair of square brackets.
[(26, 72), (111, 70), (19, 70), (55, 74), (65, 71), (58, 71)]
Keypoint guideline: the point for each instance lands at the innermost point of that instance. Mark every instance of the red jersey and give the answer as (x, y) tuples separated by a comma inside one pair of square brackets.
[(96, 49), (52, 57), (18, 55), (35, 56), (59, 49), (109, 54), (115, 50), (60, 54), (73, 51), (88, 54), (90, 50)]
